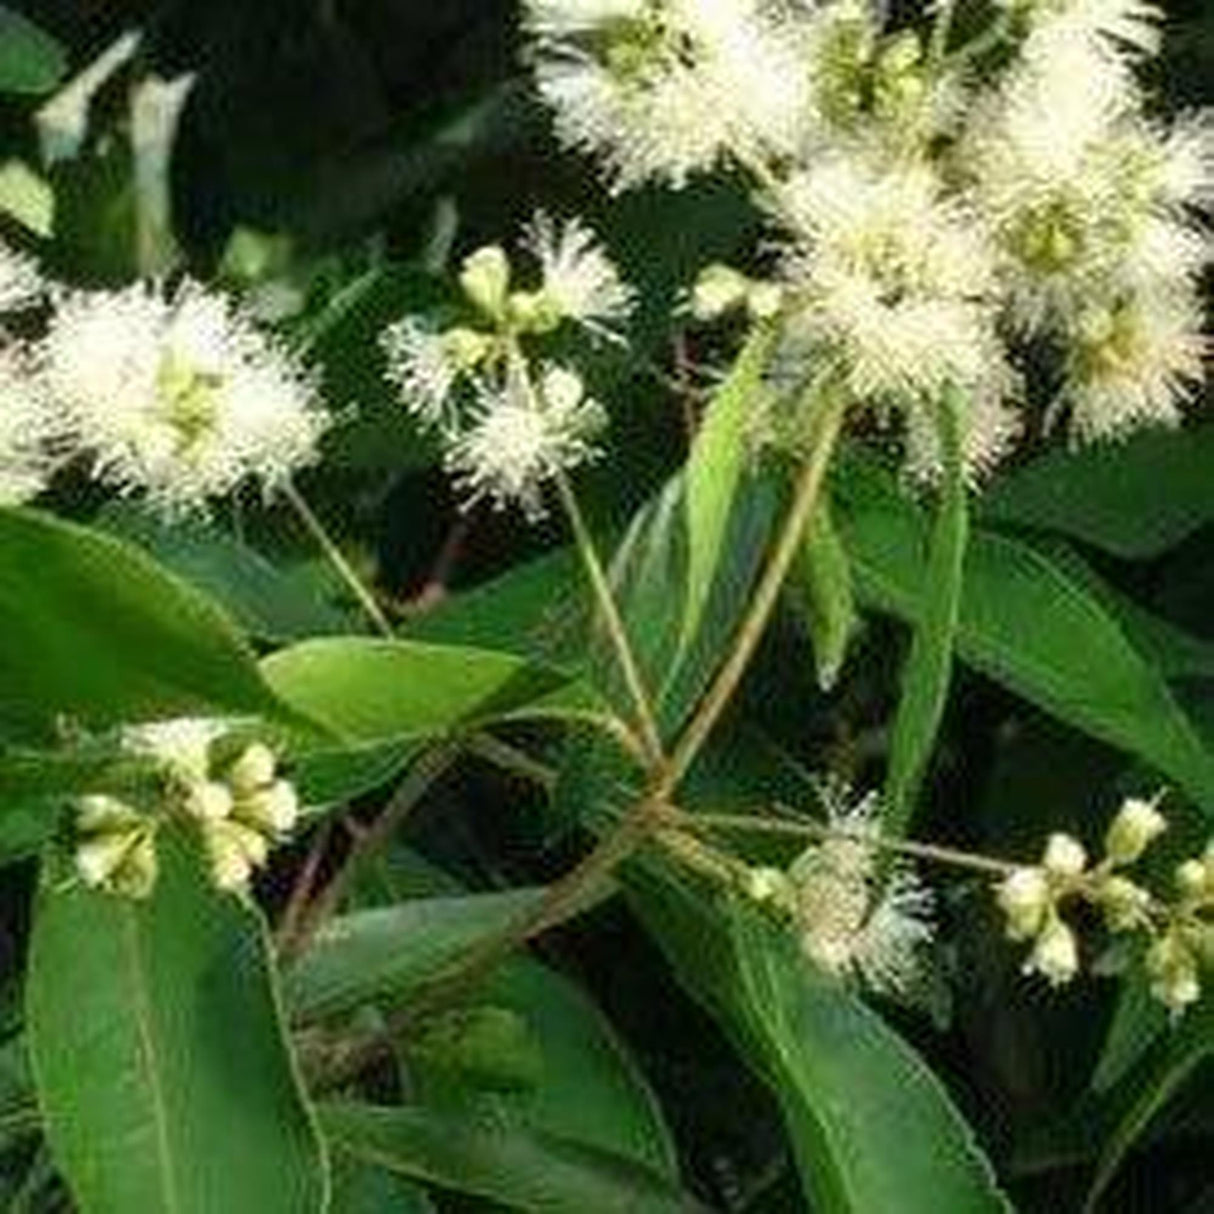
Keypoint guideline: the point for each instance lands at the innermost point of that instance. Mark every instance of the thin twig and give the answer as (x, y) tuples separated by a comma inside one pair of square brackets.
[(334, 555), (301, 891), (805, 499)]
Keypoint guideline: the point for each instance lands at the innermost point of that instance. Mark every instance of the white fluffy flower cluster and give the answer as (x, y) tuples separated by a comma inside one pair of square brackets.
[(665, 88), (942, 210), (509, 424), (176, 395), (180, 397)]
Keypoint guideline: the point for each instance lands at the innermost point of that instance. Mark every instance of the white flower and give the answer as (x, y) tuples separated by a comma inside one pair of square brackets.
[(426, 365), (182, 745), (579, 280), (1117, 27), (665, 88), (1064, 858), (21, 282), (1024, 896), (33, 432), (1137, 824), (1055, 956), (1133, 363), (520, 438), (854, 918), (180, 397)]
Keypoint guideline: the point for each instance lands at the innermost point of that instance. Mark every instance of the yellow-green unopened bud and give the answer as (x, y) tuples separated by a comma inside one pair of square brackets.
[(273, 810), (1125, 904), (1055, 956), (769, 885), (99, 858), (97, 813), (234, 851), (1172, 968), (1024, 897), (209, 801), (136, 876), (485, 278), (718, 290), (535, 311), (1191, 878), (764, 300), (254, 770), (1137, 825), (1064, 857)]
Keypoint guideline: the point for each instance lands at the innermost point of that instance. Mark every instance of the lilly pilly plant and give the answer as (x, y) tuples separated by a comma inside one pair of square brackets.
[(981, 244)]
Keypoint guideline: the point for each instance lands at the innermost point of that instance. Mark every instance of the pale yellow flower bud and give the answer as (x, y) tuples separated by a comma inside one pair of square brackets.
[(99, 858), (273, 810), (1024, 898), (535, 311), (770, 885), (234, 851), (485, 278), (1191, 878), (254, 770), (1055, 956), (209, 801), (1064, 857), (1125, 904), (1172, 968), (1137, 825), (136, 876), (97, 813), (764, 300), (718, 289)]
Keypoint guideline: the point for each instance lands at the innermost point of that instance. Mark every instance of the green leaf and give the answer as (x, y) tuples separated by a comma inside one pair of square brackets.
[(27, 197), (94, 629), (1073, 660), (928, 670), (31, 61), (368, 690), (360, 1188), (715, 469), (385, 953), (820, 585), (1147, 1088), (524, 1170), (872, 1127), (264, 600), (162, 1069), (1134, 499)]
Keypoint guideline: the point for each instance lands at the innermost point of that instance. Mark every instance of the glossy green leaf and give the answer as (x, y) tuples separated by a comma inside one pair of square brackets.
[(820, 585), (523, 1170), (715, 469), (385, 953), (362, 1188), (1073, 660), (928, 670), (160, 1060), (31, 61), (871, 1126), (1135, 499), (265, 601), (95, 630), (1144, 1091), (368, 690)]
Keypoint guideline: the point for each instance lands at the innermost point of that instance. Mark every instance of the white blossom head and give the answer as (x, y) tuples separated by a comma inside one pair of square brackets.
[(580, 283), (661, 89), (181, 746), (521, 435), (857, 917), (427, 365), (21, 282), (33, 433), (178, 396)]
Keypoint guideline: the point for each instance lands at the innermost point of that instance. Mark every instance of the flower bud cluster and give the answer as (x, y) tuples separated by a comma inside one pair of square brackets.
[(239, 812), (1179, 930)]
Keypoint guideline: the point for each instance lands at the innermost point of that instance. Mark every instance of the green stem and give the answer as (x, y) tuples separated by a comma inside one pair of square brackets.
[(334, 556), (805, 498), (928, 670), (613, 623)]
